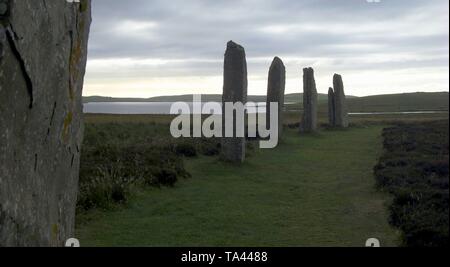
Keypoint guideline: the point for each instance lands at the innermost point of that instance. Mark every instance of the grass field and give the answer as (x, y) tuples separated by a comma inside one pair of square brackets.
[(313, 190), (289, 117)]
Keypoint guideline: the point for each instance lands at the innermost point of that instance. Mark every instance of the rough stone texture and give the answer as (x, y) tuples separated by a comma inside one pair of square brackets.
[(309, 123), (341, 114), (234, 90), (275, 91), (331, 108), (43, 49), (3, 7)]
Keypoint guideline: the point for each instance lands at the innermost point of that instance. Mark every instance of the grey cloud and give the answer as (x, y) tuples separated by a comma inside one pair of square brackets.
[(199, 29)]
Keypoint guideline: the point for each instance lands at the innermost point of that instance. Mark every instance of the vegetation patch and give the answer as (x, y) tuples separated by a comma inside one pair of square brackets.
[(414, 168), (118, 158)]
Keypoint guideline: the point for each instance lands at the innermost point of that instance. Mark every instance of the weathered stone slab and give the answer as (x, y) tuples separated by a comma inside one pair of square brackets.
[(331, 108), (43, 48), (341, 113), (275, 91), (309, 122), (234, 91)]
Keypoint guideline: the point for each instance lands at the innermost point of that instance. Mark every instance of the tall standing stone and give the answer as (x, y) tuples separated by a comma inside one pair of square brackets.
[(43, 49), (309, 123), (275, 91), (331, 108), (341, 113), (234, 91)]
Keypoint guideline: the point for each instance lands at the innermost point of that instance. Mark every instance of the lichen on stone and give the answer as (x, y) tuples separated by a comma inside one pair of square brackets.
[(30, 214), (67, 122), (84, 5)]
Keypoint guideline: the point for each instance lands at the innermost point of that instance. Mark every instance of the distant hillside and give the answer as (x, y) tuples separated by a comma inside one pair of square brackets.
[(377, 103), (400, 102), (293, 98), (91, 99)]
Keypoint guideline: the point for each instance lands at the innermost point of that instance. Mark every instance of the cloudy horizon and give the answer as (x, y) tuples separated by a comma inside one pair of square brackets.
[(146, 48)]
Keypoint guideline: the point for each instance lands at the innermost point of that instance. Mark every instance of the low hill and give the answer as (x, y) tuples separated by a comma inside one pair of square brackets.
[(293, 98), (400, 102), (378, 103)]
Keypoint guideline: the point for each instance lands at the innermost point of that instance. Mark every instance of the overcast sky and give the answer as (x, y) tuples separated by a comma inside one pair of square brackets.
[(142, 48)]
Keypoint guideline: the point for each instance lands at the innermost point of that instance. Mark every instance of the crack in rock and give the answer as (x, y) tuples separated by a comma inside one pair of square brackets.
[(11, 36)]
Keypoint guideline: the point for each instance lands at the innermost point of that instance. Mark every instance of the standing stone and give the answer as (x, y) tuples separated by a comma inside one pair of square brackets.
[(331, 108), (275, 91), (43, 48), (309, 123), (234, 91), (341, 114)]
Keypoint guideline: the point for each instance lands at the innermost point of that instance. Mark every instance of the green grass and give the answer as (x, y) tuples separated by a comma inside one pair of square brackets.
[(313, 190)]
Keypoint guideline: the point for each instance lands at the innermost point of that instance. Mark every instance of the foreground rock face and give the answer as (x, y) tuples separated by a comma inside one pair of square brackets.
[(43, 48), (341, 113), (234, 90), (275, 91), (331, 108), (309, 122)]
